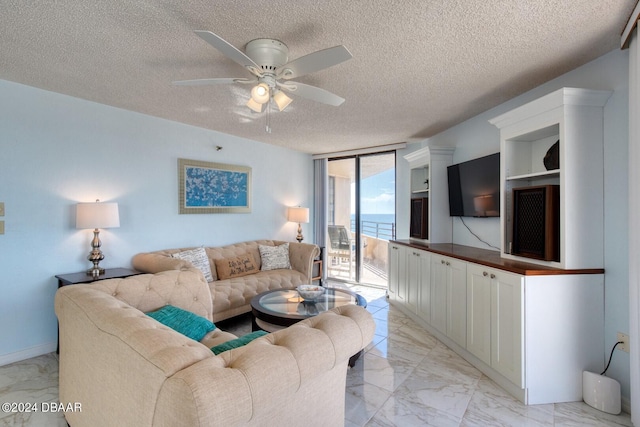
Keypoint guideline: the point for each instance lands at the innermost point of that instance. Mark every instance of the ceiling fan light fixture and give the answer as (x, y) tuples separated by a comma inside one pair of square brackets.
[(254, 105), (260, 93), (281, 100)]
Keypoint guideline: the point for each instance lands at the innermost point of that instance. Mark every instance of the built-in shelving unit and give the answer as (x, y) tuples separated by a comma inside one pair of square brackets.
[(573, 118), (429, 182), (505, 312)]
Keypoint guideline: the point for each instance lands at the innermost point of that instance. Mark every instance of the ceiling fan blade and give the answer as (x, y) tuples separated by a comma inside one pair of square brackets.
[(219, 81), (312, 93), (315, 61), (229, 50)]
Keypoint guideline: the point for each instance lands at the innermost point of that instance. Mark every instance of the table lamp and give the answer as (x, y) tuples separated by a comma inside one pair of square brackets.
[(96, 215), (299, 215)]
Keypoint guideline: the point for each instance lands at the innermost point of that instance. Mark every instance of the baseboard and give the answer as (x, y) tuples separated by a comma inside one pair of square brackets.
[(626, 405), (27, 353)]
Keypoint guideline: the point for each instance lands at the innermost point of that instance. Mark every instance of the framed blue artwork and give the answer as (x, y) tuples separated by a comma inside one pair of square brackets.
[(213, 187)]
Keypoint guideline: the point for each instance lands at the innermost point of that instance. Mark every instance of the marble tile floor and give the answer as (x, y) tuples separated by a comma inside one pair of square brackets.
[(406, 377)]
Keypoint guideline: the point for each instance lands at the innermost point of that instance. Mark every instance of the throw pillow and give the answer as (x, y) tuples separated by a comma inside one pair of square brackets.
[(197, 257), (236, 267), (274, 257), (238, 342), (183, 321)]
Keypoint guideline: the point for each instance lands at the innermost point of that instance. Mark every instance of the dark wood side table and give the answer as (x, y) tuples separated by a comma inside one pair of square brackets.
[(83, 277)]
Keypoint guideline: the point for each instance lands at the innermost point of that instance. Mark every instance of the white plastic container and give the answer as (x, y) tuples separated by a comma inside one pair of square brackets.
[(600, 392)]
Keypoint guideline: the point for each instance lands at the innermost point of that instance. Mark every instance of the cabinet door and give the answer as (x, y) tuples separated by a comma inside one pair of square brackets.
[(401, 290), (507, 325), (457, 300), (439, 293), (424, 292), (414, 279), (479, 312), (393, 271)]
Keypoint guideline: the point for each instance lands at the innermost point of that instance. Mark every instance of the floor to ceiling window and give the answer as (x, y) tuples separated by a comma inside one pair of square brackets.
[(361, 217)]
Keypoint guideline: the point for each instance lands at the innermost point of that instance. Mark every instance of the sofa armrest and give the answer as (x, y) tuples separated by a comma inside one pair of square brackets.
[(301, 256), (109, 352), (155, 263), (274, 379)]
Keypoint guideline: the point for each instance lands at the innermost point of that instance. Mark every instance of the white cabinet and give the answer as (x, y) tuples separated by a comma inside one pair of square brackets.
[(439, 271), (418, 281), (424, 294), (415, 280), (512, 323), (448, 297), (457, 301), (429, 180), (494, 319), (506, 325), (479, 312), (573, 118), (397, 272)]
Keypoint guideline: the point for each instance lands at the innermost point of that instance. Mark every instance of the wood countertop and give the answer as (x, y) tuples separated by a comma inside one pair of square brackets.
[(492, 259)]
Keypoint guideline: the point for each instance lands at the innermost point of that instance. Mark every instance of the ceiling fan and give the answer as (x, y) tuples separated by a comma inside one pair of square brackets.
[(268, 61)]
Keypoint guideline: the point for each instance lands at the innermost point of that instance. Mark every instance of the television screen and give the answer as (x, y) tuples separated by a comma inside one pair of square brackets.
[(474, 187)]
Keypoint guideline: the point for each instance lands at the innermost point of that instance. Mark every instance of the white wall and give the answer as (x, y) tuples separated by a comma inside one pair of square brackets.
[(476, 137), (58, 150)]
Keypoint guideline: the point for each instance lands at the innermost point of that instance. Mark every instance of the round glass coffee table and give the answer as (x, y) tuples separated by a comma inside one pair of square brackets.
[(277, 309), (280, 308)]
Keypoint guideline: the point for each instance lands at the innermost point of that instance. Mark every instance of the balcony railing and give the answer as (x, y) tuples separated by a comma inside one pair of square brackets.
[(379, 230)]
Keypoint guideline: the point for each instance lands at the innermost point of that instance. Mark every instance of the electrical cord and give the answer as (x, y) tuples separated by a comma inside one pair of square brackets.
[(476, 236), (611, 356)]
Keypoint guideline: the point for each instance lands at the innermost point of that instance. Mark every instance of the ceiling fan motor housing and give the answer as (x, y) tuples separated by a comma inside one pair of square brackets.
[(269, 54)]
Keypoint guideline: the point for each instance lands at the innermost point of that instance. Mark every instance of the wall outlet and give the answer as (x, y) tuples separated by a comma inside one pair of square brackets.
[(1, 208), (625, 342), (1, 227)]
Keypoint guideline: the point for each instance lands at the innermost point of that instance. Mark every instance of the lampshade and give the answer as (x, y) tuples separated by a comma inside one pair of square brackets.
[(260, 93), (298, 214), (97, 215), (254, 105), (281, 100)]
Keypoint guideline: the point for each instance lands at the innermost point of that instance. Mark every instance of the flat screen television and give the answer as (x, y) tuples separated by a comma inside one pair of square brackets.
[(474, 187)]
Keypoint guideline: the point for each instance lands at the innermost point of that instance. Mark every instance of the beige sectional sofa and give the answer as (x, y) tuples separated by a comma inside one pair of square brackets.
[(126, 369), (232, 296)]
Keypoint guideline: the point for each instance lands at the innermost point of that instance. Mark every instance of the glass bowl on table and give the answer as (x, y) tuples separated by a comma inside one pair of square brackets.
[(310, 293)]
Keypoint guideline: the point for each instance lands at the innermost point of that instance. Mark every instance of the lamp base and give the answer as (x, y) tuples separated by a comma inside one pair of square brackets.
[(299, 237), (95, 272), (95, 256), (600, 392)]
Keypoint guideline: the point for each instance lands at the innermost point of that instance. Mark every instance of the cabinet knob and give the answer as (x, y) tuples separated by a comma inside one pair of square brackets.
[(448, 263), (441, 261), (485, 274), (493, 276)]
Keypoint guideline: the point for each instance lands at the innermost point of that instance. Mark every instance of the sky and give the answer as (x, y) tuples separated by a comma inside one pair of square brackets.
[(377, 192)]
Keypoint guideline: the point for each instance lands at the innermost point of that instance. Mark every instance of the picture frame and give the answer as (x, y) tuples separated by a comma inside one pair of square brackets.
[(206, 187)]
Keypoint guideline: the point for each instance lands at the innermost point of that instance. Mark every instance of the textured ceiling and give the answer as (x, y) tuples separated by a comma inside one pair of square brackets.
[(418, 67)]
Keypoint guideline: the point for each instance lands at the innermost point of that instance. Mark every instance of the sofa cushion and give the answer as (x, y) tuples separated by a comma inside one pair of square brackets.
[(238, 342), (183, 321), (236, 267), (275, 257), (197, 257)]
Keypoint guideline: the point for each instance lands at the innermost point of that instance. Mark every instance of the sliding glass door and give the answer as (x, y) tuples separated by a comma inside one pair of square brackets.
[(361, 217)]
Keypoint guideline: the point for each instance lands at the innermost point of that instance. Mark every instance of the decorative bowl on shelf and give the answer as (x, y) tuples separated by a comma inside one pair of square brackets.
[(310, 292)]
